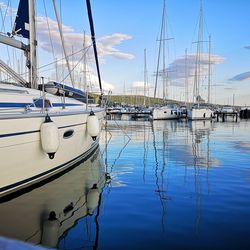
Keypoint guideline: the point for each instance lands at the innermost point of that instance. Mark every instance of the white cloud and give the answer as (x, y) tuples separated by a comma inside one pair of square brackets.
[(74, 39), (106, 46), (138, 85), (92, 82), (177, 69)]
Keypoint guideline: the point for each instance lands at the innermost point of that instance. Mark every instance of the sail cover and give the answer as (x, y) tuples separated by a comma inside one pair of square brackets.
[(21, 25)]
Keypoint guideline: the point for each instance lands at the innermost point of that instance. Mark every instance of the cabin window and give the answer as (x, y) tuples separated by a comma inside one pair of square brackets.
[(39, 103)]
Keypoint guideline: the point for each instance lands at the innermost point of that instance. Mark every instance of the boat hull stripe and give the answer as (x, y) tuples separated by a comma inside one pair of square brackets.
[(36, 131), (23, 105)]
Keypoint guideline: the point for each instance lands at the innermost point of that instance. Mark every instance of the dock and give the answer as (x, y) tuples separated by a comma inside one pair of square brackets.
[(129, 114), (224, 115)]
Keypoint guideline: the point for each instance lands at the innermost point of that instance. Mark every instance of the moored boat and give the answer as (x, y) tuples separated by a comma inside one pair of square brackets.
[(165, 113), (41, 134), (199, 113)]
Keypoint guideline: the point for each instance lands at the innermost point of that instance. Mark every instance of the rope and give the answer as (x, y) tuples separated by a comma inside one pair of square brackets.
[(75, 66)]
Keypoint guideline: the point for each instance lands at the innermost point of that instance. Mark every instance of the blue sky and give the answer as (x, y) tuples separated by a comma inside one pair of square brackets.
[(137, 24), (226, 20)]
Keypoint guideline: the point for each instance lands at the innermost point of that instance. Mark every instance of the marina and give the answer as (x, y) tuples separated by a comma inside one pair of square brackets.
[(168, 179), (124, 125)]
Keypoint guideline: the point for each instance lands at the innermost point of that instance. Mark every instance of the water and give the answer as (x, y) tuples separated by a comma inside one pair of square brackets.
[(174, 185)]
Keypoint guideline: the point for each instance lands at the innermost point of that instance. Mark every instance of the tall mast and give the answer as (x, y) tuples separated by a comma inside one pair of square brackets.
[(186, 79), (209, 71), (164, 52), (145, 76), (91, 23), (198, 58), (32, 44), (159, 51)]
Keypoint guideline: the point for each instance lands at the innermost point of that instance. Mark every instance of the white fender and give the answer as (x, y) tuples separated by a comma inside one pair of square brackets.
[(49, 137), (92, 199), (50, 231), (93, 125)]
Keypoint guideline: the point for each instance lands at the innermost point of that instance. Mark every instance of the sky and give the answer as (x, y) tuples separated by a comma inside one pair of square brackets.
[(124, 28)]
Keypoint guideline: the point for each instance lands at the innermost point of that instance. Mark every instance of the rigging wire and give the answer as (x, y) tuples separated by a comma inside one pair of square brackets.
[(3, 17), (73, 67), (52, 46), (49, 64), (63, 43)]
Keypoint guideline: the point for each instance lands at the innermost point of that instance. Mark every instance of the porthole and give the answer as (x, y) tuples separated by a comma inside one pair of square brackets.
[(68, 134)]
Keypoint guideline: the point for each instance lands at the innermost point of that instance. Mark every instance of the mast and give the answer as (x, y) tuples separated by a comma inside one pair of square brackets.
[(32, 44), (159, 51), (63, 43), (162, 49), (209, 71), (186, 78), (164, 54), (198, 59), (145, 76), (91, 23)]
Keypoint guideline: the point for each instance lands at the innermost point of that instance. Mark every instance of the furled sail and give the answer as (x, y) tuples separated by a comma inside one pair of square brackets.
[(21, 24), (60, 89)]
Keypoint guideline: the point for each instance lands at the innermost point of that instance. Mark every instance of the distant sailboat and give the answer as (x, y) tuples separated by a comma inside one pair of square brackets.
[(41, 134), (167, 111), (199, 111)]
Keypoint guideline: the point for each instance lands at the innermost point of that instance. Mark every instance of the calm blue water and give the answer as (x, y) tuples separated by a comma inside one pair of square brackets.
[(174, 185)]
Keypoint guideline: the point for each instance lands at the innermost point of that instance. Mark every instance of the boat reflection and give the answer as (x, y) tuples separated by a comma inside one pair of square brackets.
[(182, 145), (186, 143), (45, 214)]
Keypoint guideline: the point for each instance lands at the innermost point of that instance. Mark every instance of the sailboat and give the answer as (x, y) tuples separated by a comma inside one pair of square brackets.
[(169, 111), (42, 135), (199, 111)]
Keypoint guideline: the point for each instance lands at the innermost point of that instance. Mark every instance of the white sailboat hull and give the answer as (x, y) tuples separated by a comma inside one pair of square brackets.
[(23, 160), (165, 113), (200, 114)]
